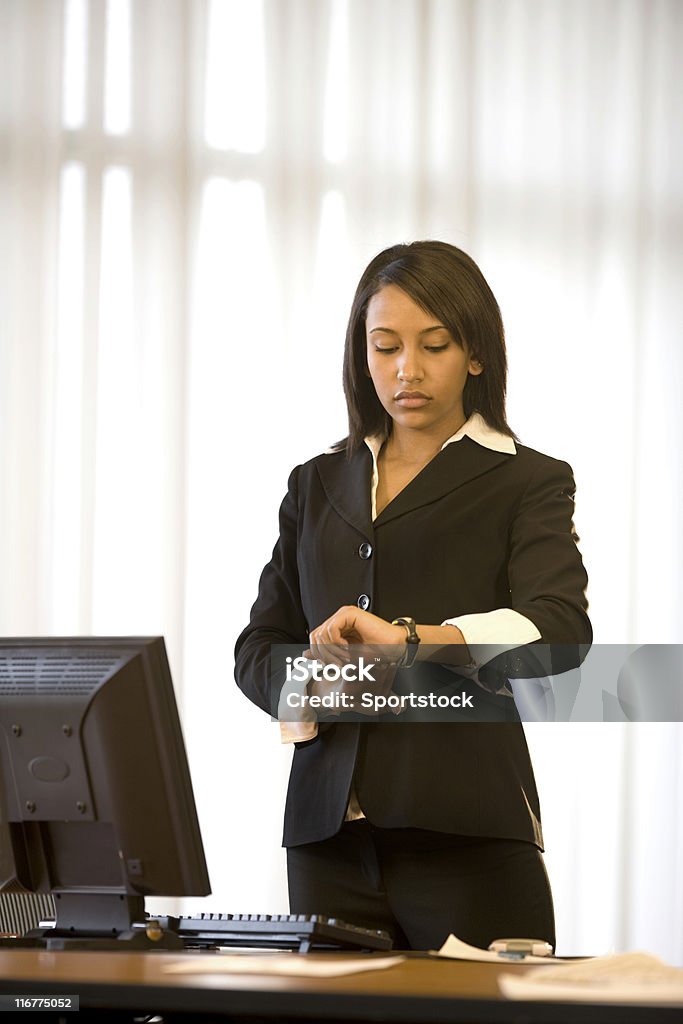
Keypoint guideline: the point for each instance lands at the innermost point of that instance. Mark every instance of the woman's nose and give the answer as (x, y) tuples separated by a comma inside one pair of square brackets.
[(409, 368)]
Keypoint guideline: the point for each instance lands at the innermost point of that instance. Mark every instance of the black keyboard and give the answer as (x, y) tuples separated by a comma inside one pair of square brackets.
[(278, 931)]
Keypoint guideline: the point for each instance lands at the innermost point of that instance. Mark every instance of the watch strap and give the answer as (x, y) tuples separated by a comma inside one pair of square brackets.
[(412, 640)]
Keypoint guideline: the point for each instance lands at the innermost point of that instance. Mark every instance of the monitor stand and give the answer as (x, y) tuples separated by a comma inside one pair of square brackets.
[(98, 921)]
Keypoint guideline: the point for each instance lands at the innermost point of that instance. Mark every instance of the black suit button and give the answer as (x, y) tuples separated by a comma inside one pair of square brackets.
[(364, 602), (365, 550)]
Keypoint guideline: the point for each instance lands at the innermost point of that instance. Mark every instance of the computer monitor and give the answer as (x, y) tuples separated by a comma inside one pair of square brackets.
[(96, 800)]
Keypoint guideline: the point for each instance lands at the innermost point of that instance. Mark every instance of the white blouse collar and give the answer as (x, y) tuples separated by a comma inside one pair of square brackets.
[(476, 428)]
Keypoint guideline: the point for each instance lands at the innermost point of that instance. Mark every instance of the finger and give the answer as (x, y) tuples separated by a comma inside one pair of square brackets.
[(337, 631), (324, 651)]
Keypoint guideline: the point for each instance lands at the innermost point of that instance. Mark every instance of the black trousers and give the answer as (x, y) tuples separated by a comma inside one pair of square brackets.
[(420, 886)]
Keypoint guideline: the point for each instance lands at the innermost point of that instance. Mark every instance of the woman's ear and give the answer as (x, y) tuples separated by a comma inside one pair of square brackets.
[(475, 367)]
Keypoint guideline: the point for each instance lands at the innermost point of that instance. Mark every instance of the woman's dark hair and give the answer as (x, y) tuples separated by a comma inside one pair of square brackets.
[(449, 285)]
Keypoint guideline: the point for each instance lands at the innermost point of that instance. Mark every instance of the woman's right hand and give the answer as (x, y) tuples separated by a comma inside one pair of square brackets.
[(353, 638)]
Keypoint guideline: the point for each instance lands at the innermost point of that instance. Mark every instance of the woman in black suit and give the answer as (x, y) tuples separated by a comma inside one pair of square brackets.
[(430, 532)]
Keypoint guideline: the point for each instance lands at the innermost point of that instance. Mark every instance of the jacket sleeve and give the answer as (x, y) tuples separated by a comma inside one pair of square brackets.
[(547, 579), (276, 616)]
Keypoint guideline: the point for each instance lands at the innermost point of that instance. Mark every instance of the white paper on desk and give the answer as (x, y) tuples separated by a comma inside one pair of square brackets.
[(455, 949), (620, 978), (293, 964)]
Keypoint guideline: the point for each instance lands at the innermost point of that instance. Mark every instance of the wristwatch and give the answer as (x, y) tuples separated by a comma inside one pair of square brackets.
[(412, 641)]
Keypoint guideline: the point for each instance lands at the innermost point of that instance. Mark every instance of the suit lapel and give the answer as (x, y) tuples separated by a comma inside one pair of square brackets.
[(347, 485), (455, 465), (347, 482)]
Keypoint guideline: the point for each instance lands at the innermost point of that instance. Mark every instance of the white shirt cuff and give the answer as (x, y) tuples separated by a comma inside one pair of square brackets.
[(488, 634), (298, 732), (306, 725)]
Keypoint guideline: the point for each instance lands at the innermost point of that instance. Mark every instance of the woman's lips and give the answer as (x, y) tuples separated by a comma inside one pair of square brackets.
[(411, 399)]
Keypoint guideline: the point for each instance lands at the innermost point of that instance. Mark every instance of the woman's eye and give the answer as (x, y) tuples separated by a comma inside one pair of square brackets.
[(437, 348), (386, 350)]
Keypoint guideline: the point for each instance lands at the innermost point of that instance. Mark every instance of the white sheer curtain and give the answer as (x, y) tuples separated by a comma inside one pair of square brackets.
[(189, 189)]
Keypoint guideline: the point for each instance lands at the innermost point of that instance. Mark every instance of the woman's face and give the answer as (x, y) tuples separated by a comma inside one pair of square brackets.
[(418, 369)]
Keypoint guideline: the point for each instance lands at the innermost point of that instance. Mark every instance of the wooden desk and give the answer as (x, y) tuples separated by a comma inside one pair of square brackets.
[(418, 990)]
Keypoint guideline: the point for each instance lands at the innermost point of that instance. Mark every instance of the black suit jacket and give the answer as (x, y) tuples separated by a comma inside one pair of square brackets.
[(476, 530)]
